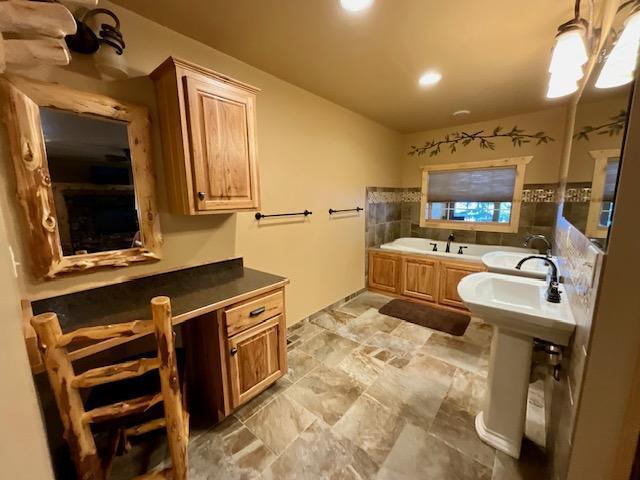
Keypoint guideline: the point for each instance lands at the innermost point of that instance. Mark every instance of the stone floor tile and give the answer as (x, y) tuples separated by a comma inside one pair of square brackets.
[(328, 348), (415, 334), (371, 426), (326, 392), (279, 423), (358, 329), (364, 302), (531, 465), (364, 368), (228, 452), (468, 391), (318, 453), (456, 427), (301, 332), (458, 353), (414, 392), (300, 364), (419, 455), (262, 400)]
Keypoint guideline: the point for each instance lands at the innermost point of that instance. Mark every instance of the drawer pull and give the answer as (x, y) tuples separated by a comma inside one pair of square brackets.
[(234, 350), (257, 311), (202, 196)]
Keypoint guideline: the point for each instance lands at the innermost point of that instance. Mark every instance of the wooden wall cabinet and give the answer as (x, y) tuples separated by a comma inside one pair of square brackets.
[(241, 351), (384, 271), (425, 278), (208, 125), (420, 278)]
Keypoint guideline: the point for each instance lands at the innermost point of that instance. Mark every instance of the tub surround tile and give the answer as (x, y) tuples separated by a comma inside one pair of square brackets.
[(370, 426), (418, 454), (326, 392), (279, 423), (328, 348)]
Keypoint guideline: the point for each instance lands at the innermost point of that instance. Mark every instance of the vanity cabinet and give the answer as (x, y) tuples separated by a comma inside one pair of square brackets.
[(420, 278), (208, 123), (450, 275), (425, 278), (238, 352), (384, 271), (256, 359)]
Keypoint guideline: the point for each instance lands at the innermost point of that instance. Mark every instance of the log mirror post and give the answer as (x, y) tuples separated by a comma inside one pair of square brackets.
[(85, 177)]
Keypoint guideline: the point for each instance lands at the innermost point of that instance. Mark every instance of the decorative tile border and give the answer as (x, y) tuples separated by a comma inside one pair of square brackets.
[(578, 194), (533, 194), (540, 195)]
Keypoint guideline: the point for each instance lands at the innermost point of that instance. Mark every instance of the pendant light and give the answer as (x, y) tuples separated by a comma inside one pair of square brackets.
[(568, 57), (620, 65)]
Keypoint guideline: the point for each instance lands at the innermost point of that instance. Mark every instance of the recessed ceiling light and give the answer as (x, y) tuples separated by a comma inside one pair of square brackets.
[(430, 78), (460, 113), (356, 5)]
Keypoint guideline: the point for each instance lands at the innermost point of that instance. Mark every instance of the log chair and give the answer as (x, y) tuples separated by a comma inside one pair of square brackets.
[(66, 387)]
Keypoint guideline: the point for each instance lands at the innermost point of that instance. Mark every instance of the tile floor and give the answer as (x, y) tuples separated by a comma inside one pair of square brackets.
[(369, 396)]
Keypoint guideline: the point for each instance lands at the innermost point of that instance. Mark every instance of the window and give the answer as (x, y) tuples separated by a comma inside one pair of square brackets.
[(481, 196), (603, 191)]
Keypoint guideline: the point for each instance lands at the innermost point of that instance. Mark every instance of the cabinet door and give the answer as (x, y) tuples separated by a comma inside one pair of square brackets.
[(420, 278), (256, 358), (384, 271), (450, 275), (221, 120)]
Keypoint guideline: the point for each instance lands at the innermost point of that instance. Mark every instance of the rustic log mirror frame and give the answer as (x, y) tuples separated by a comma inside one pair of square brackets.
[(22, 99)]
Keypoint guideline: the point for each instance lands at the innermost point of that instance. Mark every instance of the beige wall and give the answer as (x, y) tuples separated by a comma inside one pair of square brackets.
[(544, 168), (312, 154)]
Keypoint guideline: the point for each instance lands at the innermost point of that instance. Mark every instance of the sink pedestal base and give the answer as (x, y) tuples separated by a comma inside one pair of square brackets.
[(501, 422)]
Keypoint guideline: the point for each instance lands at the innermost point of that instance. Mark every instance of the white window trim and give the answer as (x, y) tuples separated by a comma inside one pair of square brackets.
[(519, 162), (601, 158)]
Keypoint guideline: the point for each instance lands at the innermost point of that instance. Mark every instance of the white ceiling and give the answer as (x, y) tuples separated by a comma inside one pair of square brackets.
[(493, 54)]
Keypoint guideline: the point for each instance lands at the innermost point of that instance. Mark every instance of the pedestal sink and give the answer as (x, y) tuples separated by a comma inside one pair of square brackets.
[(518, 310), (505, 262)]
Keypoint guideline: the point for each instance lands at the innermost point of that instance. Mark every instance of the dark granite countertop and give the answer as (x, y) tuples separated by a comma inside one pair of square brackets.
[(193, 291)]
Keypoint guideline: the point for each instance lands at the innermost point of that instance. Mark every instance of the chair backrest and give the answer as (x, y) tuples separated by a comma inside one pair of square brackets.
[(66, 387)]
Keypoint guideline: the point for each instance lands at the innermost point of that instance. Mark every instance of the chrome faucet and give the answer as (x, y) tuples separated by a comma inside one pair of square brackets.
[(533, 237), (553, 293), (451, 238)]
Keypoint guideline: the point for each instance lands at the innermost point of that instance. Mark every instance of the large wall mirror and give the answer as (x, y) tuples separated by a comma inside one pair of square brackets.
[(84, 177), (598, 138)]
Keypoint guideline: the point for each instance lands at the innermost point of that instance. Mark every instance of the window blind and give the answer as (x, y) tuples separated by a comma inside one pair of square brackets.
[(610, 180), (481, 185)]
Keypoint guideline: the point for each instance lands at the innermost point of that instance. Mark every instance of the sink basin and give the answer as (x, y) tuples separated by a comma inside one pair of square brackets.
[(505, 262), (519, 312), (517, 304)]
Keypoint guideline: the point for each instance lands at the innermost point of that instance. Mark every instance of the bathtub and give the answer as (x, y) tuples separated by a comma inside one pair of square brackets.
[(472, 253)]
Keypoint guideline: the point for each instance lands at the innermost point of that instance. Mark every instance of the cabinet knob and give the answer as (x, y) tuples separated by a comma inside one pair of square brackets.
[(202, 196), (234, 350)]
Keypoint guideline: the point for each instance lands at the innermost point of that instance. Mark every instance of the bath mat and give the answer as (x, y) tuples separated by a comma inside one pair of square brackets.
[(453, 323)]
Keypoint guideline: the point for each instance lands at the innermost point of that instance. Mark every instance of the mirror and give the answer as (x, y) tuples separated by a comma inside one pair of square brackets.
[(598, 138), (84, 176), (92, 181)]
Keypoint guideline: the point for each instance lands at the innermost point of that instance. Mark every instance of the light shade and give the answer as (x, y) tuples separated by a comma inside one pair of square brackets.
[(430, 78), (110, 65), (621, 63), (356, 5), (568, 57)]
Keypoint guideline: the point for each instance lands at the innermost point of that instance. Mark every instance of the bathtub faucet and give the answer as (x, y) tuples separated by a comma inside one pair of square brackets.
[(451, 238)]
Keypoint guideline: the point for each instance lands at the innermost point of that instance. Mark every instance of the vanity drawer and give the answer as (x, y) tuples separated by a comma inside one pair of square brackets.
[(252, 312)]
